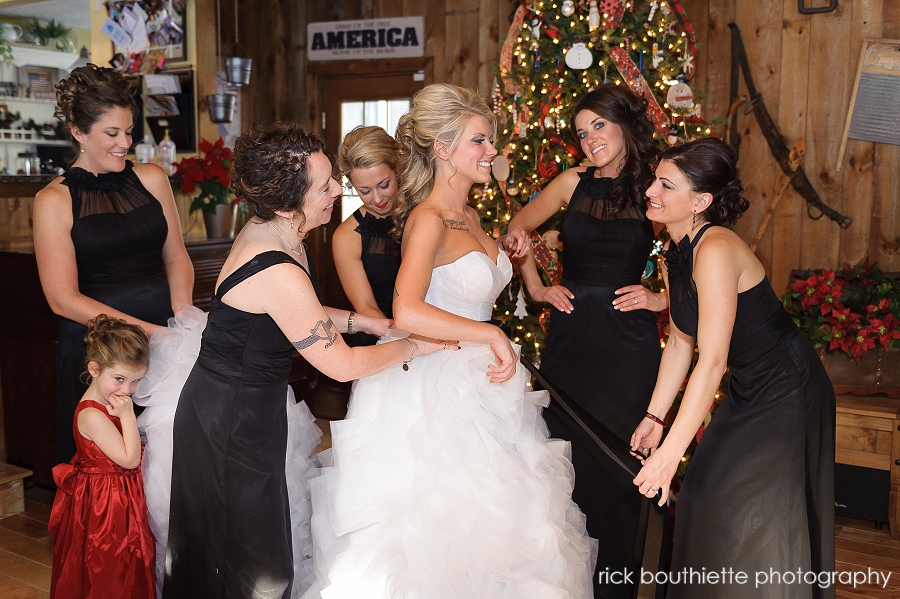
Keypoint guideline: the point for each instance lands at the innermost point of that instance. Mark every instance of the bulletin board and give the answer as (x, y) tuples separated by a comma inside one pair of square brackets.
[(146, 28)]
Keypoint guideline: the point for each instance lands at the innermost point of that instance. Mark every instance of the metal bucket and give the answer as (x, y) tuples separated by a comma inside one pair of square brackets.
[(237, 70), (221, 107)]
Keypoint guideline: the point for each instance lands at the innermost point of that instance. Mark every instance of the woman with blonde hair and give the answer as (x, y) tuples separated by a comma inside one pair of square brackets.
[(366, 256), (443, 482)]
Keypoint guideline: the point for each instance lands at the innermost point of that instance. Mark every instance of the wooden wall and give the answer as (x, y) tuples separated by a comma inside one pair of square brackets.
[(462, 40), (805, 68)]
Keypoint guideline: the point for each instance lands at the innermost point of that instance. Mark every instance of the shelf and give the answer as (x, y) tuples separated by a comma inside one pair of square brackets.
[(26, 54), (6, 99), (28, 136)]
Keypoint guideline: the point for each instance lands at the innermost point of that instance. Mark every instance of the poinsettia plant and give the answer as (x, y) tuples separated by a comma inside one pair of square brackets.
[(208, 172), (853, 314)]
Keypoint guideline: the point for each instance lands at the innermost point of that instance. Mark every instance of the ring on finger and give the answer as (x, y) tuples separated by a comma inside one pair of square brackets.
[(444, 343), (635, 301)]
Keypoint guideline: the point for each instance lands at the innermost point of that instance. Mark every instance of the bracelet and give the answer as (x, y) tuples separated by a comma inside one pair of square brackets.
[(350, 322), (412, 354), (650, 416)]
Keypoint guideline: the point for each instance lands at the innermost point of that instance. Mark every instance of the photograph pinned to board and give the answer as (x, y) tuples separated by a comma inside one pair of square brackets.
[(146, 25)]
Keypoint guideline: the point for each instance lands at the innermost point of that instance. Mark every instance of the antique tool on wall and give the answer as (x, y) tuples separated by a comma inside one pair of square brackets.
[(815, 207), (809, 10), (796, 158)]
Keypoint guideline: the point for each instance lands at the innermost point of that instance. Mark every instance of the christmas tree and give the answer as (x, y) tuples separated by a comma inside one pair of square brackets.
[(554, 53)]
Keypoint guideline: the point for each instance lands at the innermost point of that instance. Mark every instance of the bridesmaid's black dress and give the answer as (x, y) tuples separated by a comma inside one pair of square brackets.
[(229, 526), (381, 262), (604, 360), (758, 496), (118, 231)]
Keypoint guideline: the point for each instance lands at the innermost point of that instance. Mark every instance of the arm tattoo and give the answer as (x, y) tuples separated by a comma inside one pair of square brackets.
[(456, 225), (321, 332)]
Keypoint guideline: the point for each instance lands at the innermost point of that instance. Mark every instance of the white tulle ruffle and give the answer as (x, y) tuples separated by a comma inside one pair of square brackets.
[(443, 484), (173, 352)]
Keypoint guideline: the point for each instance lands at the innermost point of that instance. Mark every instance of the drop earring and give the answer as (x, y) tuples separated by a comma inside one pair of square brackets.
[(82, 149), (694, 221), (292, 221)]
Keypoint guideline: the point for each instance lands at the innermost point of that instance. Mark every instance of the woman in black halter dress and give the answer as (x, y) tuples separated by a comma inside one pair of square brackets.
[(603, 346), (106, 234), (758, 497), (367, 258), (229, 527)]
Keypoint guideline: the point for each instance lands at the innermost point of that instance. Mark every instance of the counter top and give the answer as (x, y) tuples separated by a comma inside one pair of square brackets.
[(27, 178)]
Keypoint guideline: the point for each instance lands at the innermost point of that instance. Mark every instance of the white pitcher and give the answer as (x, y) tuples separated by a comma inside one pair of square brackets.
[(10, 32)]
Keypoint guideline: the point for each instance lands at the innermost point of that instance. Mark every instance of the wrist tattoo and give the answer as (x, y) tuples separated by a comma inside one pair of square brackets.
[(456, 225), (323, 331)]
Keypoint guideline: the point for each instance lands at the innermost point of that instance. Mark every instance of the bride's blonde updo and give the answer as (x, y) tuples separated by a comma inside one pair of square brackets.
[(439, 112), (87, 94)]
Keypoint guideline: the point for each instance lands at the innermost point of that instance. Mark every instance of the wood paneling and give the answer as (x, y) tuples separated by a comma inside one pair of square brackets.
[(805, 67)]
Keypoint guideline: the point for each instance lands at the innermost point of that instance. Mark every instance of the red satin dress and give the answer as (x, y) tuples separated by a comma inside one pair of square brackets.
[(104, 547)]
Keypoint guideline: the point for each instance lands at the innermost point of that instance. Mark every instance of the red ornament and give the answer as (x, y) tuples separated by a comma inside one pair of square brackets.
[(544, 320)]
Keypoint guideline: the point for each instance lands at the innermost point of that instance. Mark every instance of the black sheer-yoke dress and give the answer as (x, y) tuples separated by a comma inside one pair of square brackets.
[(759, 494), (381, 261), (118, 231), (229, 525), (604, 360)]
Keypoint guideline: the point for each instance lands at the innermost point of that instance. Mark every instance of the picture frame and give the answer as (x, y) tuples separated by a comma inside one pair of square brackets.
[(39, 82)]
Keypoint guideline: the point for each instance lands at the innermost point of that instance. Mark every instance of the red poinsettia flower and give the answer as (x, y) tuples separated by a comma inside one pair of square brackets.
[(210, 172), (886, 330), (863, 341)]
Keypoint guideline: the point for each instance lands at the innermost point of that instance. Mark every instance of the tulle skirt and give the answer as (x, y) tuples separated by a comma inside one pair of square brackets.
[(173, 352), (440, 484)]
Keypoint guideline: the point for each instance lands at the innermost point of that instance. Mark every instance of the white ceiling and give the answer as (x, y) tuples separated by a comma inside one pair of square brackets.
[(70, 13)]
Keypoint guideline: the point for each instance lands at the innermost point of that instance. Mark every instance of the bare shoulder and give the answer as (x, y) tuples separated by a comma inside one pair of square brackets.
[(54, 192), (152, 177), (426, 217), (346, 231)]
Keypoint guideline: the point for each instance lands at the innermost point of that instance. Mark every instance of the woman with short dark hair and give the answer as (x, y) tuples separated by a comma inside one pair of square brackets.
[(229, 529)]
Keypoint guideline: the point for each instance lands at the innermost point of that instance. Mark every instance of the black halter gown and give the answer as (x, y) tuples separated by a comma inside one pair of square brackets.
[(118, 231), (758, 496)]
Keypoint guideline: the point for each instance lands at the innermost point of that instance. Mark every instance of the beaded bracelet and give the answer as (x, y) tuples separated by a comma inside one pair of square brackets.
[(650, 416), (350, 322)]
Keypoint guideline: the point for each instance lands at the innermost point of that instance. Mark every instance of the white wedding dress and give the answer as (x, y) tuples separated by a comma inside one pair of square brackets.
[(173, 352), (441, 484)]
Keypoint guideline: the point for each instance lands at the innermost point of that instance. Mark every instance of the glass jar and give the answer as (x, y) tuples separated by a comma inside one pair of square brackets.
[(28, 163)]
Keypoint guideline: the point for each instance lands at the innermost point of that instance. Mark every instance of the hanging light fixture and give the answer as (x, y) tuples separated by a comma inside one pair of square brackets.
[(221, 106), (237, 69)]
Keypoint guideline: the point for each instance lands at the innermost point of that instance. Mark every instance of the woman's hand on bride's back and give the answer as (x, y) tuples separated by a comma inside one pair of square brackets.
[(506, 359), (372, 325)]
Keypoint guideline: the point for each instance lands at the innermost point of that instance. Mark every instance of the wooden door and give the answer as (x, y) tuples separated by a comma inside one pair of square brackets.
[(335, 89)]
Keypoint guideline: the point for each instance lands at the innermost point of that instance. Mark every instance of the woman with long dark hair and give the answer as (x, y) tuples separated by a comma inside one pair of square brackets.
[(603, 346)]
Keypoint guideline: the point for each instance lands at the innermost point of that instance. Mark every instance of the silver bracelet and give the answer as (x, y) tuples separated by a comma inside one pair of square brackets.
[(412, 355), (350, 322)]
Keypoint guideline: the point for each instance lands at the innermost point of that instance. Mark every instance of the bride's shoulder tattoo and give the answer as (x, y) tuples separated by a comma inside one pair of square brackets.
[(323, 331), (455, 225)]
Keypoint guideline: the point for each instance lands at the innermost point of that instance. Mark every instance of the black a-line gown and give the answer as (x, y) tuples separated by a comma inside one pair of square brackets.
[(229, 526), (118, 231), (606, 361), (758, 496)]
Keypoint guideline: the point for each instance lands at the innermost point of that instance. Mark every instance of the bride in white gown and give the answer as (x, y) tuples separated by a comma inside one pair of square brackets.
[(441, 482)]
